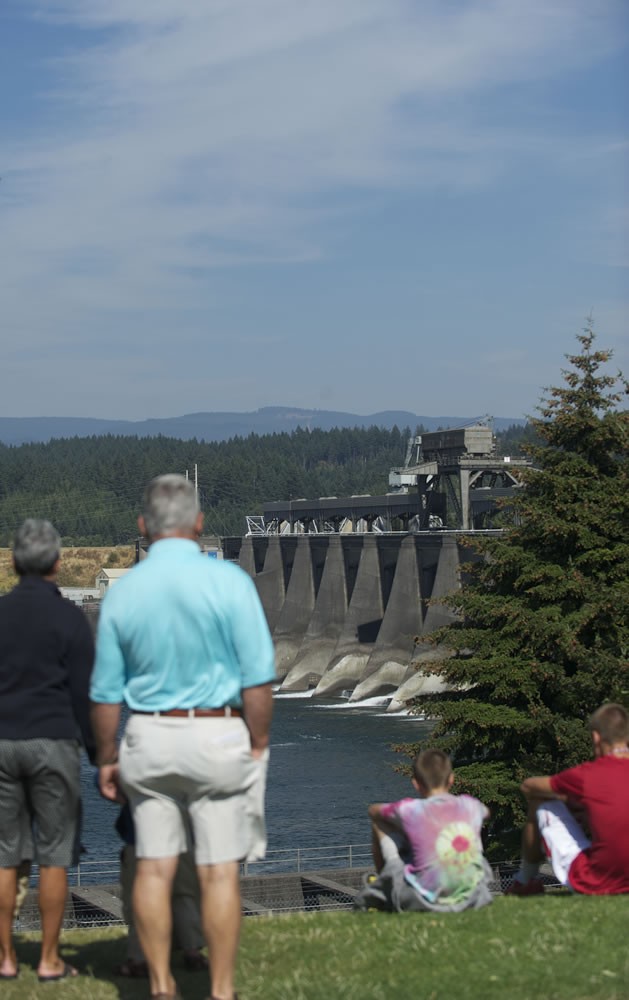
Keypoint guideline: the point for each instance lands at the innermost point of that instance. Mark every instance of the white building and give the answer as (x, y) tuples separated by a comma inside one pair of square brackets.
[(80, 594), (107, 577)]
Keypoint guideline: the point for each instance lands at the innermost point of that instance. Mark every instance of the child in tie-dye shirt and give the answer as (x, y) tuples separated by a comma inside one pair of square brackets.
[(428, 851)]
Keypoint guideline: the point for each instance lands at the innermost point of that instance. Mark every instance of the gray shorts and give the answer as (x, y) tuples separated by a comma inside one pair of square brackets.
[(174, 770), (39, 795)]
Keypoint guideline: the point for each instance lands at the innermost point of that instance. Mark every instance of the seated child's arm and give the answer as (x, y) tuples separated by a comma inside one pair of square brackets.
[(380, 814), (539, 788)]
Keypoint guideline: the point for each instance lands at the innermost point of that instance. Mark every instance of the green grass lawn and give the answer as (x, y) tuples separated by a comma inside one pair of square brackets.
[(552, 948)]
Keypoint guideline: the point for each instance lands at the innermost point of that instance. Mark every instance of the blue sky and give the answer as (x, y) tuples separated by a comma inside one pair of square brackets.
[(342, 204)]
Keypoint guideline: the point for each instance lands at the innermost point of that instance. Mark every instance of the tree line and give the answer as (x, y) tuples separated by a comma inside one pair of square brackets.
[(91, 488)]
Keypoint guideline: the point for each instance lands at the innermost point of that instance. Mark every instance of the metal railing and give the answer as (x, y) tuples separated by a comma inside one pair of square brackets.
[(301, 859), (298, 859)]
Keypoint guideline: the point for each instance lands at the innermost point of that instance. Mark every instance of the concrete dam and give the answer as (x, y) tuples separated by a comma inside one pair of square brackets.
[(344, 609)]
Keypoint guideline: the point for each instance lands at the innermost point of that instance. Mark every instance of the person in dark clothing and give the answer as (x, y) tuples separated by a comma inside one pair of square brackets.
[(185, 902), (46, 659)]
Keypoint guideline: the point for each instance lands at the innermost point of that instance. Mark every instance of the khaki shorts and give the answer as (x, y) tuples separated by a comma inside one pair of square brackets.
[(202, 767)]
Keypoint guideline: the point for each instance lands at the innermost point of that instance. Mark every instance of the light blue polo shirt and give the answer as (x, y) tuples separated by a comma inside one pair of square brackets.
[(181, 630)]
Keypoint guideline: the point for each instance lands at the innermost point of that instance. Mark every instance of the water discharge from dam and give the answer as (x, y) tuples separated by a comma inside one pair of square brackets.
[(344, 610)]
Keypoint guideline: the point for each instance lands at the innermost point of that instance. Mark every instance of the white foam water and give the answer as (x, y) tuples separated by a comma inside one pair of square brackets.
[(376, 702), (294, 694)]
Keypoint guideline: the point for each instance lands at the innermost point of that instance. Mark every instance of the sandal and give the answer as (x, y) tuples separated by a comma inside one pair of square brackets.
[(69, 972)]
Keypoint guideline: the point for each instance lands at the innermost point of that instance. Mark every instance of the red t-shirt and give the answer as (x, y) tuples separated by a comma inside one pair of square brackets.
[(602, 787)]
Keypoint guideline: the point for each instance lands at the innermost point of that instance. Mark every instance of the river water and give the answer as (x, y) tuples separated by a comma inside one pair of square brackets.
[(328, 762)]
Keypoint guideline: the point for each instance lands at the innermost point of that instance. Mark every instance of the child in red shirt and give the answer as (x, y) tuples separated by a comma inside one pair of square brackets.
[(600, 789)]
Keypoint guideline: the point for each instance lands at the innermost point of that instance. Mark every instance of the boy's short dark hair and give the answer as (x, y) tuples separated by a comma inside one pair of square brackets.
[(611, 722), (432, 768)]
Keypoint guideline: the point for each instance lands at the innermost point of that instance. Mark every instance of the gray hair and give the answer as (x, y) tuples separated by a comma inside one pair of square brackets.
[(36, 547), (170, 505)]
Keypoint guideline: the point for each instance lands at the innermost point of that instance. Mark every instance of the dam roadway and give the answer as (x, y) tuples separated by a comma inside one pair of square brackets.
[(344, 609)]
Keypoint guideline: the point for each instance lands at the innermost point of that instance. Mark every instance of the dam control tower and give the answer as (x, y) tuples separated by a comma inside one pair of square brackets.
[(451, 480), (458, 477)]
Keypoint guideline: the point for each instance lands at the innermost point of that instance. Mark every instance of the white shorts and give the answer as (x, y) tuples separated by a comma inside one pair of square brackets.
[(562, 837), (202, 767)]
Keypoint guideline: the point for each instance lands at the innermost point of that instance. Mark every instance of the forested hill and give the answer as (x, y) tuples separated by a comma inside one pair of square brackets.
[(221, 426), (91, 488)]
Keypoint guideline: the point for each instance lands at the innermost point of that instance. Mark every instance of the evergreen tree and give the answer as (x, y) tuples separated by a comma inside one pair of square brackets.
[(542, 637)]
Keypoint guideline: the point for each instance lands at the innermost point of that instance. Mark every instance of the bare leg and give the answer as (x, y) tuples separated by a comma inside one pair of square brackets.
[(23, 878), (153, 918), (53, 891), (376, 850), (127, 878), (8, 886), (526, 881), (186, 903), (531, 841), (220, 913)]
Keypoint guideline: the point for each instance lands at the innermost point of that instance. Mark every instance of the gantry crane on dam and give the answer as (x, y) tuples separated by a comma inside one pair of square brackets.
[(453, 483)]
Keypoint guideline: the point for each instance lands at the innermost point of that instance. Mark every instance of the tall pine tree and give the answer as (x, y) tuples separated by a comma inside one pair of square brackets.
[(542, 637)]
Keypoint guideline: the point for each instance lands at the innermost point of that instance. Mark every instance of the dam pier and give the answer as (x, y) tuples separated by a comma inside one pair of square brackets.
[(344, 609)]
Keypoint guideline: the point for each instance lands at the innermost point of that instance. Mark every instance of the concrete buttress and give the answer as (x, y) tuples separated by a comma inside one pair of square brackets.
[(296, 613), (325, 624), (246, 558), (447, 578), (419, 680), (270, 580), (362, 622), (389, 664), (440, 559)]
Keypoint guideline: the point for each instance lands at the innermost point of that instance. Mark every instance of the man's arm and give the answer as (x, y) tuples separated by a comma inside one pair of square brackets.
[(257, 704), (105, 721), (107, 694)]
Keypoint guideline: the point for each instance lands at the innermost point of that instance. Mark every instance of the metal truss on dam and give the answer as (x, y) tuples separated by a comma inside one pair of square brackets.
[(344, 610)]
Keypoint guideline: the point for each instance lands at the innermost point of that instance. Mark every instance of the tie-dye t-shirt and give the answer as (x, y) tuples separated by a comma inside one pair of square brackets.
[(444, 835)]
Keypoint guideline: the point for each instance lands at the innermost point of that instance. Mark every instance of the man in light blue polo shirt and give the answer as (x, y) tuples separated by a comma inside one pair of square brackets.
[(183, 640)]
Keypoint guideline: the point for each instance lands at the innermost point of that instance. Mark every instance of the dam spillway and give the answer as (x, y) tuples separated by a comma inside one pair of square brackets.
[(345, 609)]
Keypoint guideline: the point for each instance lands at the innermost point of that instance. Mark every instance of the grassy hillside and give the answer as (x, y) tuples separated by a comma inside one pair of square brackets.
[(554, 948), (79, 566)]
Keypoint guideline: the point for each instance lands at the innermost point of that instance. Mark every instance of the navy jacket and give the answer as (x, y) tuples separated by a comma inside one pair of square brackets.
[(46, 659)]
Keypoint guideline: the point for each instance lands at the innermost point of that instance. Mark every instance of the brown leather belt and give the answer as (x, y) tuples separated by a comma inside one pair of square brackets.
[(198, 713)]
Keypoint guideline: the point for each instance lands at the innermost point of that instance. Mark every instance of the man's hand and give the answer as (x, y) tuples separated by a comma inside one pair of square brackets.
[(109, 783), (257, 704)]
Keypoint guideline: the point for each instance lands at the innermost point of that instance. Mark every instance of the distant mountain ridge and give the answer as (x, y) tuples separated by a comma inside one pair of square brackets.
[(221, 425)]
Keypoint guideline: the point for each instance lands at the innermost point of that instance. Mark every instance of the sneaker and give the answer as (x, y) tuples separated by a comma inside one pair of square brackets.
[(533, 887)]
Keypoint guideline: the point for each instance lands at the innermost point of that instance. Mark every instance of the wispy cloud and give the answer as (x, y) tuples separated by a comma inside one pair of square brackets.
[(191, 136)]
